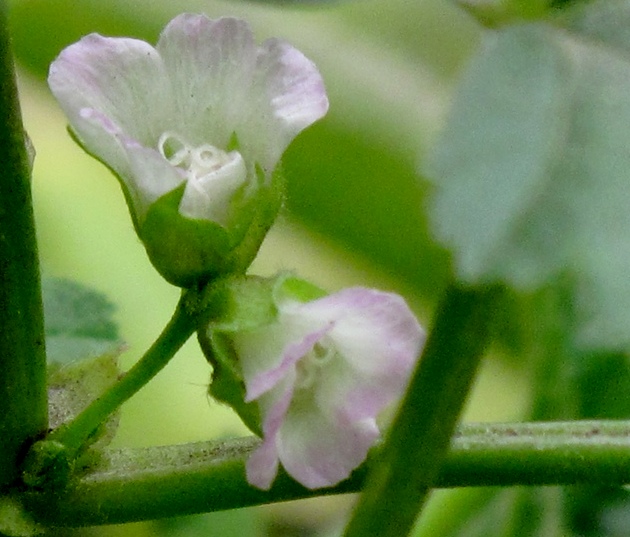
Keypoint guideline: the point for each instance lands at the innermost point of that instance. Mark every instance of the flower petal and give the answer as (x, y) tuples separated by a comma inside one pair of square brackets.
[(210, 64), (287, 95), (262, 466), (380, 341), (122, 79), (318, 451), (268, 354), (146, 174), (370, 324), (209, 197)]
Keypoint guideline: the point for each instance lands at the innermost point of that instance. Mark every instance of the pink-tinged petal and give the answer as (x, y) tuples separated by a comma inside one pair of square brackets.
[(379, 341), (370, 325), (318, 451), (210, 65), (121, 78), (287, 95), (293, 352), (268, 354), (146, 174), (262, 466)]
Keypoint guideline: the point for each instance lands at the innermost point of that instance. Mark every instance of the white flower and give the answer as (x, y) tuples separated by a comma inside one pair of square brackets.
[(321, 373), (206, 111), (163, 116)]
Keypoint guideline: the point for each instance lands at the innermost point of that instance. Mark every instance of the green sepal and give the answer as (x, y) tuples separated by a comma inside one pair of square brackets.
[(290, 287), (183, 250), (241, 304), (189, 252), (234, 304)]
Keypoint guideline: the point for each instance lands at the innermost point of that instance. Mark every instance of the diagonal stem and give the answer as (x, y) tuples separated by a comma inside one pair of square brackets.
[(75, 433)]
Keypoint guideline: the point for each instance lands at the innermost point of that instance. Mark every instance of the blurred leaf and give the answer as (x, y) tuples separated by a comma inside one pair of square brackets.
[(532, 172), (312, 3), (78, 321), (71, 387), (83, 346), (603, 383), (598, 511), (604, 21)]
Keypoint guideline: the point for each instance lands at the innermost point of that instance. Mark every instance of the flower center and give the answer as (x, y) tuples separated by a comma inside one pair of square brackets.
[(197, 162), (310, 365)]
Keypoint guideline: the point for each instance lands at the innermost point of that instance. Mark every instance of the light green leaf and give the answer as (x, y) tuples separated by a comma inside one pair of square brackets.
[(604, 21), (78, 322), (532, 172), (71, 387)]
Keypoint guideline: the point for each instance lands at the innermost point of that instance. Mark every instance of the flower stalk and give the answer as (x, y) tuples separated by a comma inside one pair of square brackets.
[(22, 353)]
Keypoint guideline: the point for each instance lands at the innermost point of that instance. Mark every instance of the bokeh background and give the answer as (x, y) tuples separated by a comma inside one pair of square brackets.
[(355, 211)]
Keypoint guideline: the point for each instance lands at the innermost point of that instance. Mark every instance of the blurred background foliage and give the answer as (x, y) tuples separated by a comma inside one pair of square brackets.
[(354, 214)]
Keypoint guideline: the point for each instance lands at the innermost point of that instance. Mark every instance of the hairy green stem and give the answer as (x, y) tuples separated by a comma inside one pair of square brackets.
[(22, 354), (166, 481), (74, 434), (403, 475)]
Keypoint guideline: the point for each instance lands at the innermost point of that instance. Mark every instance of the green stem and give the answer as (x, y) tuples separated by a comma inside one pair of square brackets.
[(22, 354), (74, 434), (166, 481), (419, 437)]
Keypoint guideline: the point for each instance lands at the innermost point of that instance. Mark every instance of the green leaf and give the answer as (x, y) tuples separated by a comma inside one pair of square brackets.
[(504, 512), (71, 387), (78, 322), (532, 172), (603, 21)]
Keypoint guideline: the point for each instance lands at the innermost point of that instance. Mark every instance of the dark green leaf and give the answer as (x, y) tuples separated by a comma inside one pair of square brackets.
[(78, 321)]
